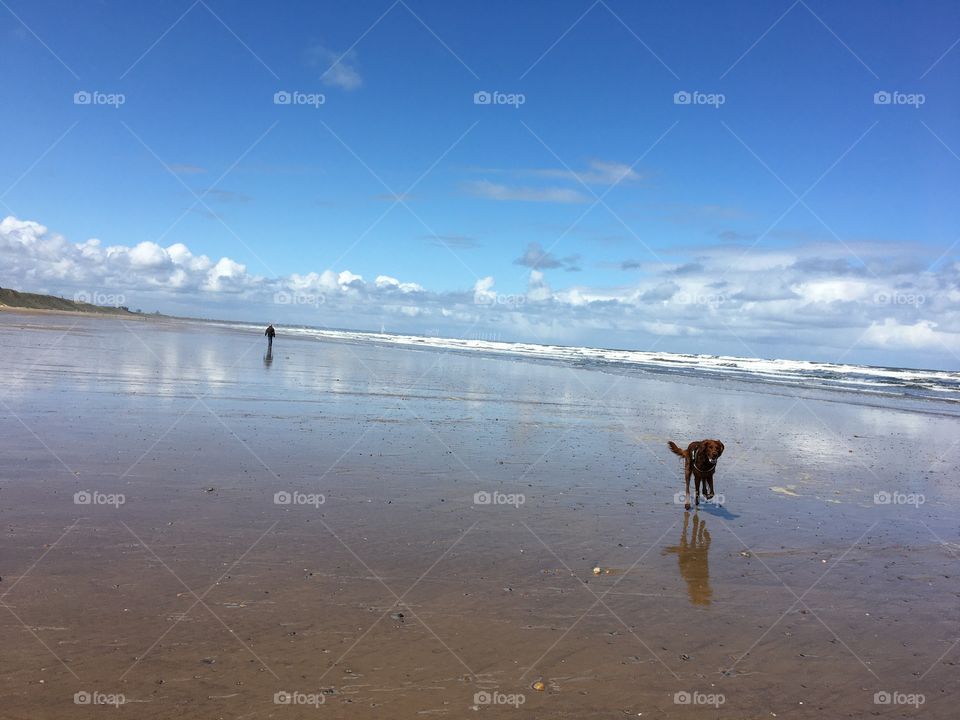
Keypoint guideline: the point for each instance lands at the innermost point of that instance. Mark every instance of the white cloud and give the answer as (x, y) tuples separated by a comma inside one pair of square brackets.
[(538, 290), (600, 172), (609, 172), (483, 291), (327, 281), (385, 282), (348, 279), (147, 255), (495, 191), (180, 254), (832, 289), (225, 275), (921, 335), (338, 70)]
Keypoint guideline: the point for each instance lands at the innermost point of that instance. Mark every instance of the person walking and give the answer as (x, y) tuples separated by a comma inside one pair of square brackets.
[(271, 334)]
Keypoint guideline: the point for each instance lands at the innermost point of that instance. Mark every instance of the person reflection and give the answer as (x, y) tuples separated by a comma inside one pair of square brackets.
[(268, 358), (692, 559)]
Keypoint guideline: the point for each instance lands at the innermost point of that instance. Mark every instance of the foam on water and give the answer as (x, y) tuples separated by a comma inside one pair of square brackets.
[(938, 385)]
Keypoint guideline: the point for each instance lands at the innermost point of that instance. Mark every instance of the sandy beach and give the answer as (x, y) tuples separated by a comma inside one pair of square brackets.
[(194, 529)]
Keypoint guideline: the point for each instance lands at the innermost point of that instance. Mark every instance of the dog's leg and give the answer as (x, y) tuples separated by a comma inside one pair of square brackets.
[(696, 485), (686, 480)]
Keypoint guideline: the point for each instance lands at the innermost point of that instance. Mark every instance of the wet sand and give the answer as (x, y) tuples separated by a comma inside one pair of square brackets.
[(202, 596)]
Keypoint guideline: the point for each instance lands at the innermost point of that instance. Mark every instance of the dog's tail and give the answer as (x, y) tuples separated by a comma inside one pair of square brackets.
[(675, 449)]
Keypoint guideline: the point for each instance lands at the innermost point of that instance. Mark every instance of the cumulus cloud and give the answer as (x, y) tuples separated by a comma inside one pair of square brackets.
[(144, 255), (34, 258), (226, 275), (33, 253), (347, 279), (483, 291), (385, 282), (919, 335)]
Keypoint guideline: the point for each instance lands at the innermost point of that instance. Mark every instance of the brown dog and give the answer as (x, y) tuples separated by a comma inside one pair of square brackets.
[(700, 458)]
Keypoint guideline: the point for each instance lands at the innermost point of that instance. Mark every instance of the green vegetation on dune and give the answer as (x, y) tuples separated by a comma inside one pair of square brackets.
[(33, 301)]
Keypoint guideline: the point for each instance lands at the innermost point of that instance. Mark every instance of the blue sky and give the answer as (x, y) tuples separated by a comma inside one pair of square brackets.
[(698, 243)]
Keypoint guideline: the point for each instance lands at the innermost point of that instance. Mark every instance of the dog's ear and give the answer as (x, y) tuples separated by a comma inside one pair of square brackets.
[(721, 448)]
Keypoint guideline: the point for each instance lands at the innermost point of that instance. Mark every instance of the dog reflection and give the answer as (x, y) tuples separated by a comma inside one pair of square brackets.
[(692, 558)]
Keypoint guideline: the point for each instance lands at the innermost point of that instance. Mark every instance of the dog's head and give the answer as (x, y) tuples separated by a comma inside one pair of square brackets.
[(711, 450)]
